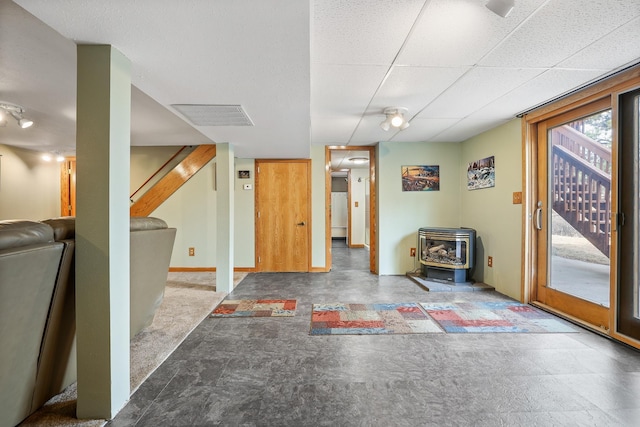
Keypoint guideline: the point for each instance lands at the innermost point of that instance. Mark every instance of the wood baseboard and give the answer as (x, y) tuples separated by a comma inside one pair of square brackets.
[(319, 270), (198, 269)]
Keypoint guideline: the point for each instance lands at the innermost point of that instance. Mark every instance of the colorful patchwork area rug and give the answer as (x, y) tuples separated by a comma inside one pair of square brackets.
[(493, 316), (256, 308), (363, 319)]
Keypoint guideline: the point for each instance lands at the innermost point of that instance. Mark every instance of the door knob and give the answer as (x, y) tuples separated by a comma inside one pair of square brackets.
[(301, 223)]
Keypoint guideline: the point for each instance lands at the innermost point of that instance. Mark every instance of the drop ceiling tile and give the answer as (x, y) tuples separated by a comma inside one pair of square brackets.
[(476, 89), (559, 29), (460, 33), (333, 129), (369, 131), (361, 31), (345, 89), (423, 130), (465, 129), (543, 88), (601, 55), (414, 87)]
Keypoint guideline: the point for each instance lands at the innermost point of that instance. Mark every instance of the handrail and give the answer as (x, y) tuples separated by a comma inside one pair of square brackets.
[(173, 180), (582, 195), (583, 146), (158, 171)]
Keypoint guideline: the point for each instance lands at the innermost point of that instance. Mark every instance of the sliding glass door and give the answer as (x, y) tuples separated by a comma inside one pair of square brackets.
[(628, 295), (573, 220)]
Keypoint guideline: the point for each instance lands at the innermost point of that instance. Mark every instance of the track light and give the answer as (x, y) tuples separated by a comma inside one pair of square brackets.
[(395, 118), (16, 112), (501, 7), (47, 157)]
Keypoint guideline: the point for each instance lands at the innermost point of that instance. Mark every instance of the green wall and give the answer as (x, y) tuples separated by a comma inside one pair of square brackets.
[(192, 210), (491, 211), (402, 213), (318, 258), (29, 186)]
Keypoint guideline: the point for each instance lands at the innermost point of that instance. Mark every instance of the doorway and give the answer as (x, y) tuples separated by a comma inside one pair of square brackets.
[(581, 220), (361, 218), (68, 187)]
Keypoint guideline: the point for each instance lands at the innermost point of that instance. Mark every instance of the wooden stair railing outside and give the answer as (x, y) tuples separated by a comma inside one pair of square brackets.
[(582, 146), (582, 185), (173, 180)]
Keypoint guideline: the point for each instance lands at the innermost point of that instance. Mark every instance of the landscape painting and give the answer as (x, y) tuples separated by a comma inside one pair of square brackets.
[(481, 174), (420, 178)]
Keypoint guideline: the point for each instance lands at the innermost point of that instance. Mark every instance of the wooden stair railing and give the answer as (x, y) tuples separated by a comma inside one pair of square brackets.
[(156, 173), (582, 146), (582, 196), (173, 180)]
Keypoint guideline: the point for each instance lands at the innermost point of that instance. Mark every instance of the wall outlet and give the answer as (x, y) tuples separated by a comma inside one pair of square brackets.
[(192, 251), (490, 261), (412, 252)]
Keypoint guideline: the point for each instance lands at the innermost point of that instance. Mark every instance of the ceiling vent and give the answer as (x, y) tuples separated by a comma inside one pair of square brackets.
[(214, 115)]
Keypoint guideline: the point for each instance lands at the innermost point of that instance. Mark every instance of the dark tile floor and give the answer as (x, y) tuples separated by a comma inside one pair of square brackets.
[(271, 372)]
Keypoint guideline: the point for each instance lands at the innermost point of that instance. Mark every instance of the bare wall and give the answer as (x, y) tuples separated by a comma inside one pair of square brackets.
[(29, 186), (491, 211)]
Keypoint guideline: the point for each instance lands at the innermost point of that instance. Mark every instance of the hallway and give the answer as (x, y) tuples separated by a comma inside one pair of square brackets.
[(270, 371)]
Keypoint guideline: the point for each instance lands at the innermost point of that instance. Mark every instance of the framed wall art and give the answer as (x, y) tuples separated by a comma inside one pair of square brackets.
[(421, 178), (481, 173)]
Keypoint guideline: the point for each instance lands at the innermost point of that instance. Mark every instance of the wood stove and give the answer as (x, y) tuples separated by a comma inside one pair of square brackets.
[(447, 253)]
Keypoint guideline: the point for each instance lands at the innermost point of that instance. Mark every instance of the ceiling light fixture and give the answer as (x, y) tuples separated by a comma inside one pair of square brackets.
[(359, 160), (501, 7), (47, 157), (395, 118), (16, 112)]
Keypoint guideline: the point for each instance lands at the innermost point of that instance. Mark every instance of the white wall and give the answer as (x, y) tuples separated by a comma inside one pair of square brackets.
[(402, 213), (498, 222), (29, 186), (359, 180)]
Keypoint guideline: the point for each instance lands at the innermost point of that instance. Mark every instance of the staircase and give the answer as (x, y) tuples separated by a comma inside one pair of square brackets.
[(581, 176), (172, 180)]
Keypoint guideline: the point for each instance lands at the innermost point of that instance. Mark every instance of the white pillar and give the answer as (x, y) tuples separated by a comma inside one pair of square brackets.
[(102, 230), (225, 213)]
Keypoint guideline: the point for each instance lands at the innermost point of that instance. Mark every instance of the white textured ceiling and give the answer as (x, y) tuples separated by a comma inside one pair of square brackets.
[(310, 72)]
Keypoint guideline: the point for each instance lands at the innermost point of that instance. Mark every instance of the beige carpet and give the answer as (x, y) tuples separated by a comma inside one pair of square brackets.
[(189, 298)]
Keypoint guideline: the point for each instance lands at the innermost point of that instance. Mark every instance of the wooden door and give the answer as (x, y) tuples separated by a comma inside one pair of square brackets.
[(68, 187), (283, 215)]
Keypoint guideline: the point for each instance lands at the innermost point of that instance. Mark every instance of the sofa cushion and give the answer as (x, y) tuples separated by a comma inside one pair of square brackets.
[(18, 233), (64, 227)]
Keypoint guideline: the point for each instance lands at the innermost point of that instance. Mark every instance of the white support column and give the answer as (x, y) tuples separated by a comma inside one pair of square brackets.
[(225, 213), (102, 230)]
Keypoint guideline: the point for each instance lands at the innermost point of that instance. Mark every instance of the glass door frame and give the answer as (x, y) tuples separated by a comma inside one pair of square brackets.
[(628, 317), (595, 315), (611, 87)]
